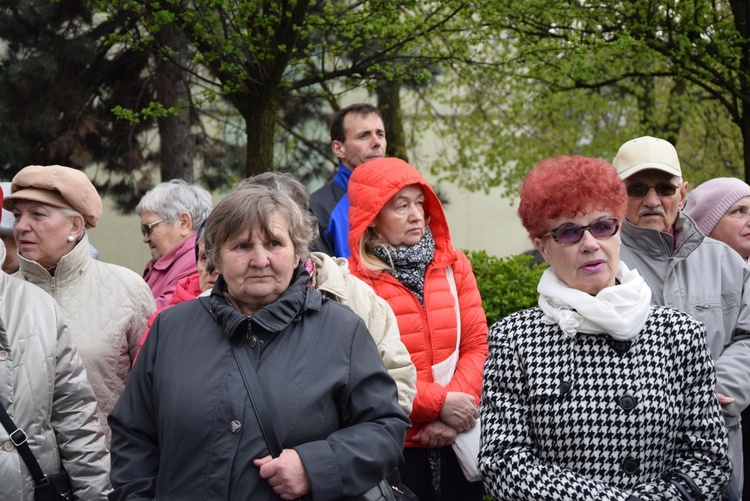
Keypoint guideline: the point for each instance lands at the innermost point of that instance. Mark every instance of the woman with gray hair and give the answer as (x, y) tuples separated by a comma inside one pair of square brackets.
[(189, 426), (332, 279), (171, 213), (105, 306)]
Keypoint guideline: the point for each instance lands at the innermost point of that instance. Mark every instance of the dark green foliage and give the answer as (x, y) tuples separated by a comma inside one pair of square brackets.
[(506, 284), (58, 82)]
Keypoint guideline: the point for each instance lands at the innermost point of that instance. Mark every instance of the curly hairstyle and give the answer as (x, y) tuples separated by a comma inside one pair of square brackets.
[(567, 186)]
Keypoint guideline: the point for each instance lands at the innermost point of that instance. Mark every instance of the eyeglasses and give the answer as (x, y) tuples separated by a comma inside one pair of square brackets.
[(146, 228), (640, 190), (568, 234)]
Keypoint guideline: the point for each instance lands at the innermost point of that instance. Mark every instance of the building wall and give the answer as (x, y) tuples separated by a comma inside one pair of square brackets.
[(118, 239), (481, 221)]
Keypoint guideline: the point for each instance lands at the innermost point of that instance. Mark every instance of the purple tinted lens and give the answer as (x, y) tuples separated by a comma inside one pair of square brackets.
[(569, 235), (573, 233), (603, 229)]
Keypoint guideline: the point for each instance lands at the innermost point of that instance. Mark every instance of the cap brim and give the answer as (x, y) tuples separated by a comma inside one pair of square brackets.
[(35, 195), (650, 165)]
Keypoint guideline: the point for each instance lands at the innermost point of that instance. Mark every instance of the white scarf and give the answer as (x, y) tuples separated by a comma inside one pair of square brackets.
[(620, 311)]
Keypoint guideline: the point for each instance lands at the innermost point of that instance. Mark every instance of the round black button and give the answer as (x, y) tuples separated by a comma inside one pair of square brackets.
[(621, 346), (253, 341), (630, 466), (565, 386), (628, 402)]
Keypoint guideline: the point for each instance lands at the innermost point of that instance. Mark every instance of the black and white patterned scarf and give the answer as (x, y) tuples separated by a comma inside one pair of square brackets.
[(409, 264)]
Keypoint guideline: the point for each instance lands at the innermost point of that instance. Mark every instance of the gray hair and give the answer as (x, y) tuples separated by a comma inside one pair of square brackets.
[(251, 207), (174, 197), (70, 214), (289, 185)]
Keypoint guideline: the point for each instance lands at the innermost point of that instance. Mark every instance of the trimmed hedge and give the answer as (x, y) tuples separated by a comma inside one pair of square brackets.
[(506, 284)]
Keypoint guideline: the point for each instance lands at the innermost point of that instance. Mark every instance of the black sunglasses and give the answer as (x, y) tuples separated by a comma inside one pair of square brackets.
[(568, 233), (640, 190)]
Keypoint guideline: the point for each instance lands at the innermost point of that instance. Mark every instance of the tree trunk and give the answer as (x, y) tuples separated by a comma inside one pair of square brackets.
[(741, 14), (389, 104), (260, 117), (173, 90)]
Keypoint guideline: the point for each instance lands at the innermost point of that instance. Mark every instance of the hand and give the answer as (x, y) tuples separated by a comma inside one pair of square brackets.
[(436, 434), (459, 411), (285, 474), (724, 399)]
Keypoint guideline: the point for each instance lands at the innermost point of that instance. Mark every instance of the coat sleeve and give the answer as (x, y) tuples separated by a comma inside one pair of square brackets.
[(383, 326), (472, 350), (75, 420), (733, 365), (473, 347), (511, 468), (135, 446), (368, 445)]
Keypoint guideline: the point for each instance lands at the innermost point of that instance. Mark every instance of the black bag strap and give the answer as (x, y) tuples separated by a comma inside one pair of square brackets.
[(255, 391), (20, 440), (694, 494)]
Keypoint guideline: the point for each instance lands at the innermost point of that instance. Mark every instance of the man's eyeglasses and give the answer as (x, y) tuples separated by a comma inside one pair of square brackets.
[(568, 234), (640, 190), (146, 228)]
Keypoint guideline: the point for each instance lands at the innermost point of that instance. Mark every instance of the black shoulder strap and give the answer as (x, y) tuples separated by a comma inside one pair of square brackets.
[(247, 363), (19, 439)]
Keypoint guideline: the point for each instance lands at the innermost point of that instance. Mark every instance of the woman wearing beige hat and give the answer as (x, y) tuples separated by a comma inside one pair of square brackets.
[(106, 306)]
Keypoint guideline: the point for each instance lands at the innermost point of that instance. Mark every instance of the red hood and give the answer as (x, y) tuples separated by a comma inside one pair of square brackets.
[(372, 185)]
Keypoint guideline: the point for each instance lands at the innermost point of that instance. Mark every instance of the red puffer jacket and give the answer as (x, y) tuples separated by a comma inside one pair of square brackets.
[(187, 288), (428, 332)]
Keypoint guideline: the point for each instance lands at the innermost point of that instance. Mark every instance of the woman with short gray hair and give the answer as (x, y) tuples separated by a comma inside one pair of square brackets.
[(187, 426), (171, 214)]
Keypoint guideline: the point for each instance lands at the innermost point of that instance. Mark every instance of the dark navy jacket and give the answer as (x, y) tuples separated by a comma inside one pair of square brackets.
[(331, 206), (184, 427)]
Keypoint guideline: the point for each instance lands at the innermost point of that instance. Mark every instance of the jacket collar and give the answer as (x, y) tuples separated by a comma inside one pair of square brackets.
[(685, 238), (272, 319), (343, 173), (168, 259)]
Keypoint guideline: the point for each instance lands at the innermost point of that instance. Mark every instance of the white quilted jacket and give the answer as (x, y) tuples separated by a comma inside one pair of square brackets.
[(106, 308)]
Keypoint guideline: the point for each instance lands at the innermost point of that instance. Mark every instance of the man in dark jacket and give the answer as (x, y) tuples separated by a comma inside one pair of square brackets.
[(357, 136)]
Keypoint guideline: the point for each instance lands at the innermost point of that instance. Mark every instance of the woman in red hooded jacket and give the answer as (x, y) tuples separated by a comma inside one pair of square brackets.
[(401, 246)]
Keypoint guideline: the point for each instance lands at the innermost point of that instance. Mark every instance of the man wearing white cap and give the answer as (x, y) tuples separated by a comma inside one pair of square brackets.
[(688, 271)]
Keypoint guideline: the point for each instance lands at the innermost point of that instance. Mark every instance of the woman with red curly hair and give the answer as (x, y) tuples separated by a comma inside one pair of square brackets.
[(595, 393)]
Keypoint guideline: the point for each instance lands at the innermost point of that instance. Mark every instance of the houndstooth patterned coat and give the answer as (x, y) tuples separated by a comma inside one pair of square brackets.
[(590, 417)]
